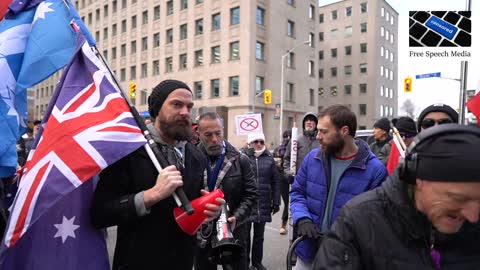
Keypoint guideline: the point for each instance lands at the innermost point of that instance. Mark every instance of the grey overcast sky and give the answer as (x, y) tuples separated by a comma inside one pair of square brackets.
[(433, 90)]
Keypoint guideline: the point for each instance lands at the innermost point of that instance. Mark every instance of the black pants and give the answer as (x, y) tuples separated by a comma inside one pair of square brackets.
[(257, 244), (285, 192), (201, 254)]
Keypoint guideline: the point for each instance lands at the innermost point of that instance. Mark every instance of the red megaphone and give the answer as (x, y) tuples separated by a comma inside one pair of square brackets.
[(191, 223)]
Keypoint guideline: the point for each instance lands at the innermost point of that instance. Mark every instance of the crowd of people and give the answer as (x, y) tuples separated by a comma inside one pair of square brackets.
[(350, 212)]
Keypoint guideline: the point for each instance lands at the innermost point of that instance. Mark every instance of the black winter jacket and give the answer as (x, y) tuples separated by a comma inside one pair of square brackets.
[(268, 182), (238, 184), (382, 230), (153, 241)]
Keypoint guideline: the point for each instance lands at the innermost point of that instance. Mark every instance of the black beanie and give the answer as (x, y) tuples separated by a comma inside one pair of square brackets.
[(438, 107), (382, 123), (406, 124), (451, 157), (160, 93)]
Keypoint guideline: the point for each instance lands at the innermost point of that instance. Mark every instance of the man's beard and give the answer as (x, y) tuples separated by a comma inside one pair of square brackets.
[(179, 130), (335, 146)]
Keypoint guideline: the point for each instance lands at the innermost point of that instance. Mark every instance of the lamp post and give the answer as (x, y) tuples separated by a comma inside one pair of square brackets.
[(282, 84), (255, 99)]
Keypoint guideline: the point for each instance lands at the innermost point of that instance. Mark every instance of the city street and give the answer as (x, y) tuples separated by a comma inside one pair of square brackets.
[(275, 246)]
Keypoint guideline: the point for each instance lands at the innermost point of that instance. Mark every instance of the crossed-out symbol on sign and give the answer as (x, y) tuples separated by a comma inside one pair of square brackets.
[(249, 124)]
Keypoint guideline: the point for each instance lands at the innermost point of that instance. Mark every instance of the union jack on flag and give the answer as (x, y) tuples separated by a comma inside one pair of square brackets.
[(87, 127)]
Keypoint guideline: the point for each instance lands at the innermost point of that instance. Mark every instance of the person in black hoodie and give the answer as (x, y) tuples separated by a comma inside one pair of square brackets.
[(425, 216), (268, 203)]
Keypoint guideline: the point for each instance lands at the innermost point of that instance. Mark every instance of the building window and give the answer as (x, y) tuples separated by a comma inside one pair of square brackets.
[(198, 2), (311, 12), (333, 72), (260, 16), (312, 97), (124, 4), (348, 90), (348, 50), (133, 47), (363, 47), (114, 6), (133, 72), (199, 27), (156, 40), (363, 7), (155, 67), (235, 16), (144, 70), (291, 60), (183, 31), (381, 50), (334, 15), (156, 13), (199, 58), (97, 14), (290, 92), (387, 34), (105, 54), (321, 18), (290, 28), (334, 52), (183, 4), (363, 27), (105, 33), (183, 61), (215, 21), (320, 73), (169, 7), (168, 64), (97, 35), (381, 110), (215, 88), (348, 70), (348, 31), (258, 85), (381, 70), (114, 53), (215, 56), (145, 17), (123, 50), (363, 88), (143, 97), (333, 33), (123, 75), (363, 68), (311, 40), (333, 91), (348, 11), (381, 91), (144, 43), (233, 85), (234, 50), (382, 12), (259, 51), (105, 10), (320, 55), (124, 26), (114, 29), (169, 36), (311, 68), (134, 21), (197, 89), (362, 108)]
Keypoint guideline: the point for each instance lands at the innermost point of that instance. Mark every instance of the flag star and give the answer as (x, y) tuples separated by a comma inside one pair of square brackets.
[(42, 8), (66, 229)]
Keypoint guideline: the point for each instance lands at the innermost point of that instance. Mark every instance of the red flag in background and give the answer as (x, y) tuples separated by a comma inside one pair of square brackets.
[(3, 7), (393, 158), (474, 106)]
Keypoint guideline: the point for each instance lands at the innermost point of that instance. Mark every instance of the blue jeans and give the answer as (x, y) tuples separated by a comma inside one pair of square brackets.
[(257, 245)]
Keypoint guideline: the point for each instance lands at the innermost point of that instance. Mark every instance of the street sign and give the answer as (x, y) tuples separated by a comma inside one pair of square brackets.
[(428, 75)]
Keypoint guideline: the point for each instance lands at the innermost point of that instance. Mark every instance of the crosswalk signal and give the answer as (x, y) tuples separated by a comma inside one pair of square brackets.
[(407, 85), (132, 90), (267, 97)]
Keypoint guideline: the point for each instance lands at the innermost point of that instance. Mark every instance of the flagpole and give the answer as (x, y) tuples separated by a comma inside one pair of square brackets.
[(151, 147)]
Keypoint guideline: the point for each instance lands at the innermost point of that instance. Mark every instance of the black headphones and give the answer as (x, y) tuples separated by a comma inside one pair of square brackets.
[(408, 164)]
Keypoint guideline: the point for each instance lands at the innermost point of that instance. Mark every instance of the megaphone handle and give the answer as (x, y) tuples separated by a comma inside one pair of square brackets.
[(180, 195)]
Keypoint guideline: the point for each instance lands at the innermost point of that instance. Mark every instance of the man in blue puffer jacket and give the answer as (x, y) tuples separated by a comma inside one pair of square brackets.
[(329, 177)]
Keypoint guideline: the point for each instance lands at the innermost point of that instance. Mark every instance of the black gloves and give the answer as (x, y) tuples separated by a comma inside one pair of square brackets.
[(275, 208), (307, 228)]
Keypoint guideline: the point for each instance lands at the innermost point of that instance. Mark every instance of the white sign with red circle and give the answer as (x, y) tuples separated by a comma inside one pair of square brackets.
[(249, 123)]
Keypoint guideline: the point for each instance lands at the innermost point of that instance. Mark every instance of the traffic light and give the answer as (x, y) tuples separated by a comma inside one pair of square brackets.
[(267, 97), (407, 85), (132, 90)]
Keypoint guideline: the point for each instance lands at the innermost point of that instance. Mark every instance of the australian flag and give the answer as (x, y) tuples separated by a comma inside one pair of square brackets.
[(88, 125), (37, 38)]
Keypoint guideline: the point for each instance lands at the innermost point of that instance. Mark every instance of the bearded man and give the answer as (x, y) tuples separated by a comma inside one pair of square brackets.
[(132, 195), (341, 168)]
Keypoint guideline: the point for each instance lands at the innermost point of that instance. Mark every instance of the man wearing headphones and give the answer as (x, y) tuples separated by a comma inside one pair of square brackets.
[(435, 190)]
